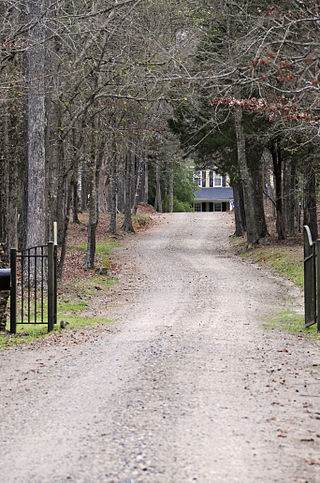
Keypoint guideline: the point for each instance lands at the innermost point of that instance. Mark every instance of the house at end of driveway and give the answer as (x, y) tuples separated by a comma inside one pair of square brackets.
[(214, 192)]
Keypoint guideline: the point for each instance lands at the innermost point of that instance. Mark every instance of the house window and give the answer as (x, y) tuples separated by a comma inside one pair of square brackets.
[(217, 180), (204, 179), (197, 207), (197, 178), (218, 207)]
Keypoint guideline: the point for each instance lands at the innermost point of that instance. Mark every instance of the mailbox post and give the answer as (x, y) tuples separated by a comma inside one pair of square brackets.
[(4, 295), (5, 282)]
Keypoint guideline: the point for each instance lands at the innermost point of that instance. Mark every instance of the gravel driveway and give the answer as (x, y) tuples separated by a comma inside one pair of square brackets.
[(188, 387)]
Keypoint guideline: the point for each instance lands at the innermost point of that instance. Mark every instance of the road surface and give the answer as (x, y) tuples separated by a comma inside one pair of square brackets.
[(188, 387)]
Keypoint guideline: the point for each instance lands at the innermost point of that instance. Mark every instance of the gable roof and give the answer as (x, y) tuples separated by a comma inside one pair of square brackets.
[(214, 194)]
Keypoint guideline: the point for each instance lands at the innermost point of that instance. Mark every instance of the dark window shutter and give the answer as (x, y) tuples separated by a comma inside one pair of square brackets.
[(224, 181)]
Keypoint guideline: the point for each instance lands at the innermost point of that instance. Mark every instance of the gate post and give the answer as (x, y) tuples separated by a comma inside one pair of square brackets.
[(310, 298), (51, 287), (13, 291)]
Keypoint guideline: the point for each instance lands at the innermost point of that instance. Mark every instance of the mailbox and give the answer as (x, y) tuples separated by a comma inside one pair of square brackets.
[(5, 275)]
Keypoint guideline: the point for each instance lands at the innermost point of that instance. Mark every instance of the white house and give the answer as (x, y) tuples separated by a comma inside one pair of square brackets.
[(214, 193)]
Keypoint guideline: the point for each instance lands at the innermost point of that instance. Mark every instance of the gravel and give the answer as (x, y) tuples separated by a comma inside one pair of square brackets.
[(188, 387)]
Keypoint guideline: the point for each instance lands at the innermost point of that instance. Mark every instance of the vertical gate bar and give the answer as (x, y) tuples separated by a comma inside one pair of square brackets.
[(310, 298), (13, 291), (318, 285), (35, 284), (50, 287), (28, 258), (55, 243), (55, 288)]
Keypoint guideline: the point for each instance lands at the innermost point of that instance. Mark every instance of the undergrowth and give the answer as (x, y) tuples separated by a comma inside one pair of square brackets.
[(286, 261)]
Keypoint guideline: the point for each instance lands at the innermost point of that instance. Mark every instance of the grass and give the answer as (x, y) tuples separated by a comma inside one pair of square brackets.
[(103, 251), (286, 261), (70, 308), (289, 321), (27, 333)]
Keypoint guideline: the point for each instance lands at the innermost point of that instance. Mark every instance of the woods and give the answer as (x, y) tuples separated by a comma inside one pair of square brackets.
[(96, 96)]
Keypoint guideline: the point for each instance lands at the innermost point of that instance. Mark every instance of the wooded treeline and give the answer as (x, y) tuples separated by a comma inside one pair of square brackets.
[(83, 88), (254, 110), (87, 89)]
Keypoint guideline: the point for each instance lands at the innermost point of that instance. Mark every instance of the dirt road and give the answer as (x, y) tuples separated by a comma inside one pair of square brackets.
[(190, 387)]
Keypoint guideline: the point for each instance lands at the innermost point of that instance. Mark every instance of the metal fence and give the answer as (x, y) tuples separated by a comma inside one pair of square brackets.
[(311, 279), (33, 292)]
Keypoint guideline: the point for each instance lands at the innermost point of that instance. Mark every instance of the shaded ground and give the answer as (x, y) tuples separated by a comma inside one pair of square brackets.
[(188, 386)]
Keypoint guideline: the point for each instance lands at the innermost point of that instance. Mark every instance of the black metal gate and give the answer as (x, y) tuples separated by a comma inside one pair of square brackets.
[(311, 279), (33, 292)]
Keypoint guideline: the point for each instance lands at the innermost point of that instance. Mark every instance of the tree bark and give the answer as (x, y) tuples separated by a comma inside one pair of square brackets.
[(113, 194), (240, 229), (36, 232), (146, 180), (158, 199), (64, 233), (257, 173), (171, 187), (277, 169), (290, 197), (248, 192), (127, 223), (137, 185)]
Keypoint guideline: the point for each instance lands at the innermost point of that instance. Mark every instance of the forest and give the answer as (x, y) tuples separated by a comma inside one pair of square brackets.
[(103, 103)]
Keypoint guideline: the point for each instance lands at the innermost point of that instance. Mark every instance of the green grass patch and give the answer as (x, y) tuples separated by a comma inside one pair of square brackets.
[(27, 333), (289, 321), (77, 321), (72, 306)]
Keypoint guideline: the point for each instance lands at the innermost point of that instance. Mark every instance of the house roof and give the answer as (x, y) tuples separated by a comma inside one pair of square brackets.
[(214, 194)]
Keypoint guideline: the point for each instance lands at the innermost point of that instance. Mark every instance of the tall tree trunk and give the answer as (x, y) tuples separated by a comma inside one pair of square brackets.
[(257, 173), (146, 180), (291, 198), (240, 229), (36, 134), (4, 183), (95, 166), (64, 232), (310, 199), (171, 187), (74, 181), (127, 223), (248, 192), (137, 185), (113, 194), (158, 199), (277, 169)]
